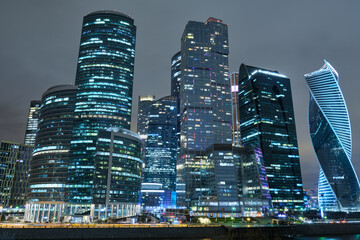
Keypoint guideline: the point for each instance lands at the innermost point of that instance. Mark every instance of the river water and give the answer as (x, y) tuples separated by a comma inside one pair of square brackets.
[(334, 237), (329, 237)]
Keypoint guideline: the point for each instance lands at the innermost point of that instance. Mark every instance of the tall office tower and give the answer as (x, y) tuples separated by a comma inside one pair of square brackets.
[(143, 115), (330, 133), (105, 83), (205, 99), (253, 186), (175, 89), (267, 122), (14, 172), (175, 74), (49, 166), (161, 147), (236, 136), (32, 123)]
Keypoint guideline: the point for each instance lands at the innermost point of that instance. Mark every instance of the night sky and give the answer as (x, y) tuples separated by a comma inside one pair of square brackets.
[(39, 46)]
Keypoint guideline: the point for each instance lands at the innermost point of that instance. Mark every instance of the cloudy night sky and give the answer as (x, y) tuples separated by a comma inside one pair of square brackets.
[(39, 46)]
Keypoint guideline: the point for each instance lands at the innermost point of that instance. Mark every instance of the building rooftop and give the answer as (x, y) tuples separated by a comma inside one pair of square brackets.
[(109, 12)]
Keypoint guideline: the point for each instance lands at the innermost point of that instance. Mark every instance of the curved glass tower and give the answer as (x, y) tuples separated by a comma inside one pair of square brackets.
[(105, 84), (118, 170), (330, 133), (49, 166)]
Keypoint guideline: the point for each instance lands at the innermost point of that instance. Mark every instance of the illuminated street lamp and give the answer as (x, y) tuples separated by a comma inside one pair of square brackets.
[(1, 210)]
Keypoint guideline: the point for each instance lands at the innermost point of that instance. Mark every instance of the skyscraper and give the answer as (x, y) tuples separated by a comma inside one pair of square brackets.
[(118, 170), (32, 123), (15, 161), (143, 115), (105, 82), (175, 89), (175, 74), (205, 100), (236, 136), (330, 133), (49, 166), (216, 190), (161, 147), (254, 193), (267, 122)]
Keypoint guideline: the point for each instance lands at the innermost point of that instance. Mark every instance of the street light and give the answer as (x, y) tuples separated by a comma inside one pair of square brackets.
[(322, 207), (1, 210)]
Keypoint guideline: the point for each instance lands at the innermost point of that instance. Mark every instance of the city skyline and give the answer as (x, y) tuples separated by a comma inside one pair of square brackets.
[(46, 56)]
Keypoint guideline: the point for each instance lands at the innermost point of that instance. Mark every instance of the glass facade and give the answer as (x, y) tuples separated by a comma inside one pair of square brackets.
[(330, 133), (175, 74), (118, 167), (15, 161), (161, 147), (267, 122), (205, 99), (49, 166), (32, 123), (104, 98), (216, 190), (143, 115), (153, 196), (175, 89), (254, 193), (236, 136)]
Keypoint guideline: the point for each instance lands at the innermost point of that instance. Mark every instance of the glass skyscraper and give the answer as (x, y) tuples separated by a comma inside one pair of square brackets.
[(143, 115), (205, 99), (254, 193), (118, 170), (104, 98), (175, 89), (32, 123), (15, 161), (216, 186), (49, 166), (236, 136), (330, 133), (161, 147), (267, 122), (175, 74)]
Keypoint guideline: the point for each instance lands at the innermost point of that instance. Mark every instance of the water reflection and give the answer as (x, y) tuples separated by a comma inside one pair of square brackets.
[(337, 237)]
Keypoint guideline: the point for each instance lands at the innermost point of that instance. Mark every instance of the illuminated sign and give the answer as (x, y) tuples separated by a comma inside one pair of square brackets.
[(234, 88)]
